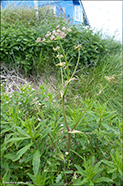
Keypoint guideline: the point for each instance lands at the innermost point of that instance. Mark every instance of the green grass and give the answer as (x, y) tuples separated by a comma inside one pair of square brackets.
[(92, 80)]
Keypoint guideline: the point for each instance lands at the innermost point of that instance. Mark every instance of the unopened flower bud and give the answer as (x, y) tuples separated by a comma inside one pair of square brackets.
[(63, 28), (69, 30), (43, 40), (57, 48), (58, 26), (66, 153), (52, 37), (62, 64), (38, 40), (78, 47), (59, 31)]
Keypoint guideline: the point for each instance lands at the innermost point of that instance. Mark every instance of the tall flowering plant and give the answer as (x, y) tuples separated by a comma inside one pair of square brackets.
[(57, 35)]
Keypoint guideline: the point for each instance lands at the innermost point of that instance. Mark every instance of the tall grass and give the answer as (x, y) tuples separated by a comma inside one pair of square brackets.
[(91, 80)]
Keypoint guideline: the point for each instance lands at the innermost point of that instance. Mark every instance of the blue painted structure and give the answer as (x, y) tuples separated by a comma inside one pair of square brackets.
[(72, 10)]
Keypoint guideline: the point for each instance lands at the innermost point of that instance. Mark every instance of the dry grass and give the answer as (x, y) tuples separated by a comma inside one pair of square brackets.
[(12, 80)]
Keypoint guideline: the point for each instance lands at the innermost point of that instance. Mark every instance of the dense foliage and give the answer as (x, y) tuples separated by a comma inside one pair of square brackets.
[(45, 139), (34, 141), (20, 29)]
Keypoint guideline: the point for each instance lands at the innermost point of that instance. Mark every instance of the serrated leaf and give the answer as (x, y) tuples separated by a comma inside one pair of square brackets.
[(21, 152), (36, 162)]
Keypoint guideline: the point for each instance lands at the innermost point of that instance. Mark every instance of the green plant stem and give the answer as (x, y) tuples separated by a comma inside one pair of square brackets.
[(64, 114), (62, 76), (68, 77), (52, 140), (69, 140), (68, 129), (61, 72), (76, 64)]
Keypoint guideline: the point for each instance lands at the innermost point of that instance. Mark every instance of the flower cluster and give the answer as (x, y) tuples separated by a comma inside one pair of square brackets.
[(78, 47), (57, 48), (111, 78), (55, 34)]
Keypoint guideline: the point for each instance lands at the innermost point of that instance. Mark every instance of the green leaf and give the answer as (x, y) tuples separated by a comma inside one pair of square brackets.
[(10, 156), (36, 162), (61, 156), (16, 139), (80, 171), (32, 178), (103, 179), (58, 178), (120, 171), (109, 163), (91, 183), (22, 132), (112, 170), (84, 181), (21, 152), (6, 177)]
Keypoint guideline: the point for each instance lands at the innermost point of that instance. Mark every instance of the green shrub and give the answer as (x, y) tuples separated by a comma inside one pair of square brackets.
[(20, 29), (18, 46)]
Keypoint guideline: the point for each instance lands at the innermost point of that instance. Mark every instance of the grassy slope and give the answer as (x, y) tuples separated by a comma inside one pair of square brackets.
[(90, 80)]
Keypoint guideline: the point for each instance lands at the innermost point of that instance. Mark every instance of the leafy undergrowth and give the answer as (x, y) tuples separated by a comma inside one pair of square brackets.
[(34, 141), (108, 73)]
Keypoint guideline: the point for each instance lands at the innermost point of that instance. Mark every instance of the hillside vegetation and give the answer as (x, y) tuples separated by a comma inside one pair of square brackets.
[(71, 134)]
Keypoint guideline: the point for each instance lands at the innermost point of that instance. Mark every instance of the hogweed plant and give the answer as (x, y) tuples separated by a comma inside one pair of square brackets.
[(56, 36)]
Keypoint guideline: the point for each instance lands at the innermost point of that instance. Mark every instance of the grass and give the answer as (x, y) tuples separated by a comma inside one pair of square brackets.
[(91, 80)]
